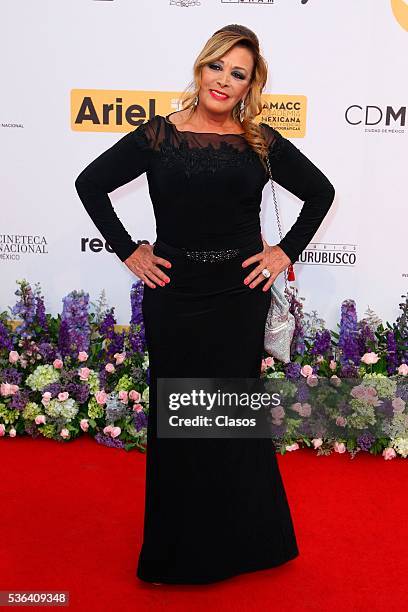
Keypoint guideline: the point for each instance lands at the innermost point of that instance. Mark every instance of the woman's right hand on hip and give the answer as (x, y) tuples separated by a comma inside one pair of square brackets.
[(143, 263)]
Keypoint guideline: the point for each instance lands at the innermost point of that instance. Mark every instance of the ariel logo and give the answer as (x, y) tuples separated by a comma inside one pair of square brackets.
[(400, 10)]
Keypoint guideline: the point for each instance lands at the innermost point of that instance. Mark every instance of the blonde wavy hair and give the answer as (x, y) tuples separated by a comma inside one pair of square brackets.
[(217, 45)]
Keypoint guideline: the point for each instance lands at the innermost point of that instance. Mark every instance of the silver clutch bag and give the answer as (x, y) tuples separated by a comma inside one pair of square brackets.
[(280, 323)]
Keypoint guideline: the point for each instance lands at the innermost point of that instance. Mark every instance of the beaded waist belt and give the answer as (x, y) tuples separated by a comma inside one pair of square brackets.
[(211, 256)]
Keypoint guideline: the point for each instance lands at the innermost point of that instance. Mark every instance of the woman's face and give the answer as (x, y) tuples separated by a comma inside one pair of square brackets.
[(230, 76)]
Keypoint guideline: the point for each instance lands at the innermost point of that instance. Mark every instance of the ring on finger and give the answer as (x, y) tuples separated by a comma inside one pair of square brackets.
[(265, 272)]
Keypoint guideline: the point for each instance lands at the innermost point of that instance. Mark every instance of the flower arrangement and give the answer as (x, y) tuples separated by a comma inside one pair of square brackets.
[(366, 362), (74, 373), (78, 372)]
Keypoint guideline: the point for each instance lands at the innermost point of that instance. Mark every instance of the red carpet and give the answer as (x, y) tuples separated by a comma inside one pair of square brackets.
[(71, 519)]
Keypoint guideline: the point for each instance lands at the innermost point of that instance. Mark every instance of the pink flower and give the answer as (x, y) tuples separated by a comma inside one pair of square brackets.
[(292, 447), (110, 367), (398, 404), (82, 356), (137, 407), (277, 412), (114, 432), (64, 433), (297, 407), (269, 362), (389, 453), (306, 370), (332, 365), (135, 396), (341, 421), (403, 369), (339, 447), (359, 392), (366, 394), (101, 397), (306, 410), (6, 389), (46, 397), (58, 364), (84, 424), (13, 356), (369, 358), (120, 357), (84, 373), (64, 395), (335, 380), (2, 430), (123, 396), (312, 380), (40, 419), (317, 442), (12, 433)]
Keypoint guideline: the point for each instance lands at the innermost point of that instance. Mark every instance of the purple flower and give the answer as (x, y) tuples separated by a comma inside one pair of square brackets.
[(6, 341), (322, 342), (108, 441), (348, 371), (292, 370), (107, 330), (365, 441), (32, 430), (40, 312), (20, 399), (47, 351), (10, 375), (365, 340), (401, 331), (31, 310), (140, 420), (24, 309), (391, 356), (53, 388), (348, 342), (137, 338), (303, 391), (75, 335)]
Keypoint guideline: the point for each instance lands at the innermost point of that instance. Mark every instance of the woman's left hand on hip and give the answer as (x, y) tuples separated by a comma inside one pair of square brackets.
[(273, 258)]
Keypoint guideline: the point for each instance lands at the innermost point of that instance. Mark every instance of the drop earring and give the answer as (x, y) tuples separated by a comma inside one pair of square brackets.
[(196, 101), (242, 110)]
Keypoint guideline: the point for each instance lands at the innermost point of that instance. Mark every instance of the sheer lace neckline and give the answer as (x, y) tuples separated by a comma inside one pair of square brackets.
[(166, 117)]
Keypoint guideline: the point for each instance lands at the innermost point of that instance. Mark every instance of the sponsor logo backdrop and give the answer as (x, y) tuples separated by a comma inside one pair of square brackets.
[(80, 74)]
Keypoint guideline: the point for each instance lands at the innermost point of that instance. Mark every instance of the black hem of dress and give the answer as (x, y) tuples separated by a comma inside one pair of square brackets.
[(216, 577)]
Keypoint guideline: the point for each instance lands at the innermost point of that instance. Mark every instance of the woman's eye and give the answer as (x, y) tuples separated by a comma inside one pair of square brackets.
[(236, 74)]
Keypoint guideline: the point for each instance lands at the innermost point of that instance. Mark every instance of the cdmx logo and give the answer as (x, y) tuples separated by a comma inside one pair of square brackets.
[(373, 115)]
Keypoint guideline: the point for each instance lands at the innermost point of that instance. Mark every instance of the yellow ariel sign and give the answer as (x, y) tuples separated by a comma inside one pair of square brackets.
[(400, 10), (106, 110), (101, 110)]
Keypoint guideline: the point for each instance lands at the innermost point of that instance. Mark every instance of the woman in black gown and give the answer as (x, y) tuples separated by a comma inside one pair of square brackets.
[(214, 508)]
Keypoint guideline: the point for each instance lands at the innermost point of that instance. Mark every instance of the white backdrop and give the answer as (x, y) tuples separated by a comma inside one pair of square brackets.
[(346, 62)]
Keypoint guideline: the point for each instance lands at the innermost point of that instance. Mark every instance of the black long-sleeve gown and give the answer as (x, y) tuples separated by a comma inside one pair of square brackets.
[(213, 507)]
